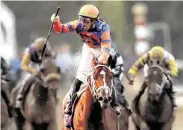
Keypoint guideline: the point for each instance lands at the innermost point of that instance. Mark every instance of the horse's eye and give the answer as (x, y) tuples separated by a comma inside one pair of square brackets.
[(157, 62)]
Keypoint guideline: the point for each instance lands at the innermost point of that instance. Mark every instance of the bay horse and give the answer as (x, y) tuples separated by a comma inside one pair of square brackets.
[(39, 106), (92, 110), (155, 107)]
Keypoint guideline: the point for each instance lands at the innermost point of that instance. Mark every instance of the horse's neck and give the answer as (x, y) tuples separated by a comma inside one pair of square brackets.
[(159, 112), (87, 102), (92, 109), (95, 111), (41, 93), (88, 99)]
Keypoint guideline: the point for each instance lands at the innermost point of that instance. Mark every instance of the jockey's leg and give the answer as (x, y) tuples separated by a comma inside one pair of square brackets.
[(25, 86), (81, 77), (137, 98), (74, 88)]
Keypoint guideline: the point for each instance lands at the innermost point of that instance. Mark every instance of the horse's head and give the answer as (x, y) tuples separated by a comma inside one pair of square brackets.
[(49, 73), (155, 83), (101, 84)]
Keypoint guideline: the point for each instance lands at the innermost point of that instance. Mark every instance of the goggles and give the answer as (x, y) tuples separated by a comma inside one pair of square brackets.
[(85, 19)]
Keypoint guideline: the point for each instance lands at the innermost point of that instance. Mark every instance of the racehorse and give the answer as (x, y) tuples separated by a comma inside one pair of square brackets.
[(155, 109), (39, 105), (91, 109)]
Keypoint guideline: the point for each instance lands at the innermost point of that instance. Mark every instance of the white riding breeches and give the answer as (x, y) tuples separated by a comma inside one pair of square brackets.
[(85, 62)]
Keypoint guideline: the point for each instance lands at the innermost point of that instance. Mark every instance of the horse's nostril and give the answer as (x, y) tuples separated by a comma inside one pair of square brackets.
[(110, 99), (100, 98)]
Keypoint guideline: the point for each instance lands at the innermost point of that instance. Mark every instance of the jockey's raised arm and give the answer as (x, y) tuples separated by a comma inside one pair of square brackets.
[(67, 27), (95, 34)]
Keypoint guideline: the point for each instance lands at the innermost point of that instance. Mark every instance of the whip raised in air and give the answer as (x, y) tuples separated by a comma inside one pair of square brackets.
[(44, 47)]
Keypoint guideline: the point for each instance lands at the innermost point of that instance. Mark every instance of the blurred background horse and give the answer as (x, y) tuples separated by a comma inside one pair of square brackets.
[(40, 102), (155, 107)]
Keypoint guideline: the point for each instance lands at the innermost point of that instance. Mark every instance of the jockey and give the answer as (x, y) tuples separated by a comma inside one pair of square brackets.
[(31, 55), (156, 56), (95, 34), (117, 70)]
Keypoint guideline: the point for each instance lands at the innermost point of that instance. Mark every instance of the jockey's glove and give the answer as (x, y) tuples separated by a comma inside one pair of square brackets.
[(54, 19)]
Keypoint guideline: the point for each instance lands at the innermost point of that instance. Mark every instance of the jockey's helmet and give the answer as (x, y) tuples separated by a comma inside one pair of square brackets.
[(89, 11), (39, 42), (157, 53)]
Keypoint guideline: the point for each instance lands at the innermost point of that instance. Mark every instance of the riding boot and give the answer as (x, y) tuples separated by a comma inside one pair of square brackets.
[(72, 95), (23, 90), (114, 102), (137, 98)]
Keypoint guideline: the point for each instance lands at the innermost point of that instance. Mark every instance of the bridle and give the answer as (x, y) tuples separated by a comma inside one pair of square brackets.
[(92, 87)]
